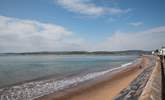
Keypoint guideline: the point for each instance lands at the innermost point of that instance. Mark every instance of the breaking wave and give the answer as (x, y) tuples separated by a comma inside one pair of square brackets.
[(32, 90)]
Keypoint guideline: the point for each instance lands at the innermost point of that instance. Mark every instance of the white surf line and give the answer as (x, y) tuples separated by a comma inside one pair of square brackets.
[(124, 65), (32, 90)]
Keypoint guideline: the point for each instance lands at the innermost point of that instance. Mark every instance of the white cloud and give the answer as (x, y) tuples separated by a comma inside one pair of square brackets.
[(86, 7), (147, 40), (18, 35), (136, 24)]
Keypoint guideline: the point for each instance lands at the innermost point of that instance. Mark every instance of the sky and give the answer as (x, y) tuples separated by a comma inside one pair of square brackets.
[(81, 25)]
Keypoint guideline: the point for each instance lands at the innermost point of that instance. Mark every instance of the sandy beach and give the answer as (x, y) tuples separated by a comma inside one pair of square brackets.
[(103, 90)]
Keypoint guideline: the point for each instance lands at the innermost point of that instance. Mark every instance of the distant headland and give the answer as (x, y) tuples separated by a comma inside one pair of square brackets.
[(125, 52)]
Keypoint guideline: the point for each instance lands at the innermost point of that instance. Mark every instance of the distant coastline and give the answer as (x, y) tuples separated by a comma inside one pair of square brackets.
[(126, 52)]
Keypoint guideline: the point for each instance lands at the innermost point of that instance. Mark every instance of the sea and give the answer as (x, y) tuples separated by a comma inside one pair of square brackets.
[(26, 77)]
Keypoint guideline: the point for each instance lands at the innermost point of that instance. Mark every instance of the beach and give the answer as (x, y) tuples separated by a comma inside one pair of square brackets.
[(105, 89), (64, 75)]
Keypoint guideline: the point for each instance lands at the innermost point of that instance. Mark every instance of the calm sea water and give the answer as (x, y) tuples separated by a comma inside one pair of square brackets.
[(14, 69)]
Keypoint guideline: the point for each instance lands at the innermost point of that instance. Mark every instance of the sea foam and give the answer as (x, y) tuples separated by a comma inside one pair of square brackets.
[(32, 90)]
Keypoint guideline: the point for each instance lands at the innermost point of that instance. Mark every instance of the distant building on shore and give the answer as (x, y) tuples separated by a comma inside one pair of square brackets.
[(160, 52)]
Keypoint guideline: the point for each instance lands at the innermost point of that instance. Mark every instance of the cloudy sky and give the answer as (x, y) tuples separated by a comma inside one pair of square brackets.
[(91, 25)]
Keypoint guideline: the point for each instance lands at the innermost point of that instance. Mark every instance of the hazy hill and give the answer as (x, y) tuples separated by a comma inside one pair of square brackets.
[(127, 52)]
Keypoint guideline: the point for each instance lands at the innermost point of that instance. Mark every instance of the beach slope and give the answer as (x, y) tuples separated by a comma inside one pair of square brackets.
[(106, 89)]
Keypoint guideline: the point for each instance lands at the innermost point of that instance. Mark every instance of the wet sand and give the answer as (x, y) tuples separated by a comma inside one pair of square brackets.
[(104, 89)]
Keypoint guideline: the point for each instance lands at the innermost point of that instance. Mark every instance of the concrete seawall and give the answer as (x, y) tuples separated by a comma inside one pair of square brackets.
[(148, 84), (152, 90), (135, 88)]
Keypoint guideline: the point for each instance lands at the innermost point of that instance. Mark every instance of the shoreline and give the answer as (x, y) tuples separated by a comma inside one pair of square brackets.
[(81, 92), (37, 89), (100, 84)]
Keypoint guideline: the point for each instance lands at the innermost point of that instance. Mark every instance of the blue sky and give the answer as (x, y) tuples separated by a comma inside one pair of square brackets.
[(92, 24)]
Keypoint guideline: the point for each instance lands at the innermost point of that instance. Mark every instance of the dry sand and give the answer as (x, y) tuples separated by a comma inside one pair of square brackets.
[(109, 89), (105, 90)]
